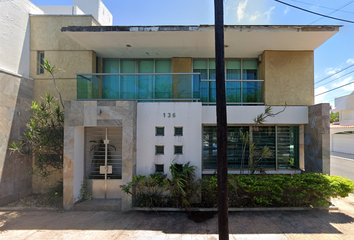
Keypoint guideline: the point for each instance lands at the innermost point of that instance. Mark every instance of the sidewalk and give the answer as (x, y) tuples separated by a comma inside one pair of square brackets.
[(167, 225)]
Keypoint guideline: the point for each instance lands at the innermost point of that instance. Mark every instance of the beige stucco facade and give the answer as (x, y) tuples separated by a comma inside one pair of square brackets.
[(62, 52), (289, 77)]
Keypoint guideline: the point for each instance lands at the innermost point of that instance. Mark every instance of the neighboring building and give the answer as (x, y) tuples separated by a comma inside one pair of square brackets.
[(17, 90), (150, 91), (342, 134)]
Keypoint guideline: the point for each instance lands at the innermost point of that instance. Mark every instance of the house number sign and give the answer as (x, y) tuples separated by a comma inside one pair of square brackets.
[(169, 115)]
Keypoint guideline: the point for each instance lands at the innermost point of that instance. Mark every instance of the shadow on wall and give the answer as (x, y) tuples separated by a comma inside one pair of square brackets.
[(16, 94)]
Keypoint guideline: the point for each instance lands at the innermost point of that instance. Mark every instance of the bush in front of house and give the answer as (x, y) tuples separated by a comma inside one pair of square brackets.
[(302, 190)]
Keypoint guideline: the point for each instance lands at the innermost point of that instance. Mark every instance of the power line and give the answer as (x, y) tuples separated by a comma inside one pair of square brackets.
[(337, 78), (337, 10), (334, 89), (314, 12), (334, 74)]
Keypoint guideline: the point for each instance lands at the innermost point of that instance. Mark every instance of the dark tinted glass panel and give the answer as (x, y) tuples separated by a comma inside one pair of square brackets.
[(160, 131), (288, 147), (178, 131), (178, 150), (159, 150), (264, 136), (159, 168), (234, 147)]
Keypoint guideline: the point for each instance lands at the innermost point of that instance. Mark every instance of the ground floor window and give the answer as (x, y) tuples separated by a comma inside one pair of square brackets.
[(283, 142)]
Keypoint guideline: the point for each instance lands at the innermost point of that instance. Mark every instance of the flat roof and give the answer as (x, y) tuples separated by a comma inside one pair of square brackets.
[(241, 41)]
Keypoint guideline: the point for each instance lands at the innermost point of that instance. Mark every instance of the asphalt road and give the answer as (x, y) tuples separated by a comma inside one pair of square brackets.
[(342, 165)]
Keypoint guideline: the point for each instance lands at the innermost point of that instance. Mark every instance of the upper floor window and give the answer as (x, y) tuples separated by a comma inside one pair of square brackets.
[(40, 62), (238, 76), (129, 86), (234, 69)]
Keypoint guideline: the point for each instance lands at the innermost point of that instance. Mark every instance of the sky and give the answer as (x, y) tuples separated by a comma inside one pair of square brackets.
[(331, 57)]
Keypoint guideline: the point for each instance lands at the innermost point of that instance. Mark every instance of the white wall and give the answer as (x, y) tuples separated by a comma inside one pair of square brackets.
[(15, 35), (245, 115), (66, 10), (346, 115), (78, 160), (150, 116), (97, 9)]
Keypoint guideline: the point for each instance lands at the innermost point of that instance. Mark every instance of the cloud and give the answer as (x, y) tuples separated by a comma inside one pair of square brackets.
[(331, 71), (320, 90), (350, 61), (255, 16), (269, 12), (349, 87), (247, 12), (287, 9), (241, 10)]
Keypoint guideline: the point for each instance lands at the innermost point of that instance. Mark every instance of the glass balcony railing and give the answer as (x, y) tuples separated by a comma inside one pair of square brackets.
[(165, 87), (142, 87)]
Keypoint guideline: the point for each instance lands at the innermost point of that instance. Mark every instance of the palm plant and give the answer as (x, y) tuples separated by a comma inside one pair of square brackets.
[(181, 185)]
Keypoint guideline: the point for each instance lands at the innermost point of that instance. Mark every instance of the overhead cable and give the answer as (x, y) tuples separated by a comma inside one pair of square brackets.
[(339, 19), (336, 78), (334, 88)]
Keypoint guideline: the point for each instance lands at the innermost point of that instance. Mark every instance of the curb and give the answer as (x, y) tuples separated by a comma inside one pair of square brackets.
[(28, 209), (237, 209)]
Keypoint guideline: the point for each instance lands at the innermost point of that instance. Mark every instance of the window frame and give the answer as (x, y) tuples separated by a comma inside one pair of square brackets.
[(159, 165), (178, 146), (157, 134), (156, 150), (40, 57), (178, 135)]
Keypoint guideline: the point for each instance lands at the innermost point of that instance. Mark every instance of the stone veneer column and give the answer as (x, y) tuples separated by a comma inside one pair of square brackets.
[(317, 139), (16, 94), (99, 113)]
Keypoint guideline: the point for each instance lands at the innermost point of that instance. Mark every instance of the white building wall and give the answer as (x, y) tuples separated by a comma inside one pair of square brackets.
[(66, 10), (152, 115), (97, 9), (245, 114), (15, 35)]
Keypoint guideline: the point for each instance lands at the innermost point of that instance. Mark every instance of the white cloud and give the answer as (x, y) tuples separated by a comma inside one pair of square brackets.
[(287, 9), (247, 12), (255, 16), (349, 87), (320, 90), (331, 71), (350, 61), (241, 10), (269, 12)]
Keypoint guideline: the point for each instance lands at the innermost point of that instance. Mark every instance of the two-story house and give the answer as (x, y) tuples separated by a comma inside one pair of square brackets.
[(149, 92)]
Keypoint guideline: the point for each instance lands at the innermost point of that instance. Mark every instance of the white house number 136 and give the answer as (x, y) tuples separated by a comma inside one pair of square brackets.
[(169, 115)]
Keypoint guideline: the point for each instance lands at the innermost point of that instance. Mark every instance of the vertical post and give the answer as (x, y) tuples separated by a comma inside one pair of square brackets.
[(223, 217), (106, 142)]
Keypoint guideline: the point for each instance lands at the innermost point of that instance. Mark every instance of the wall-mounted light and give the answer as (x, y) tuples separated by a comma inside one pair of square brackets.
[(99, 111), (128, 45)]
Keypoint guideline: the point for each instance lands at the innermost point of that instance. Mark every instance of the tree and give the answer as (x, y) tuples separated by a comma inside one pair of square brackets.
[(333, 117), (43, 138)]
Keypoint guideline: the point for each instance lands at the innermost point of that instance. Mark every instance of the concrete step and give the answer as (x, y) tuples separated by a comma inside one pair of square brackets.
[(99, 205)]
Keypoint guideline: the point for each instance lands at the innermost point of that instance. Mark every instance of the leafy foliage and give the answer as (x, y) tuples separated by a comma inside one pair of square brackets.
[(299, 190), (43, 139), (158, 191), (333, 117)]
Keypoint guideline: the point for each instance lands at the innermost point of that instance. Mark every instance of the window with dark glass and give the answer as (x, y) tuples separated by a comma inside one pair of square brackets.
[(159, 168), (159, 150), (40, 62), (178, 150), (288, 147), (160, 131), (178, 131)]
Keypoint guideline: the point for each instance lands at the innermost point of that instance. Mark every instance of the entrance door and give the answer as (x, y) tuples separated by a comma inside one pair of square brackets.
[(103, 161)]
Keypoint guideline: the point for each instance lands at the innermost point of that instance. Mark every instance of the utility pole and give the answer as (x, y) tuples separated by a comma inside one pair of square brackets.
[(223, 215)]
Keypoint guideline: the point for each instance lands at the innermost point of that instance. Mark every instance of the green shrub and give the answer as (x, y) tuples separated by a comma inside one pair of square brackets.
[(300, 190)]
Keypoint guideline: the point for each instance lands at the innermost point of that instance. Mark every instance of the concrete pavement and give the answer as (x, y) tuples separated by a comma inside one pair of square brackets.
[(167, 225)]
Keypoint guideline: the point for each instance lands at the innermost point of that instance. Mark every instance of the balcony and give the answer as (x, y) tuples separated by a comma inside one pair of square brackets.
[(165, 87)]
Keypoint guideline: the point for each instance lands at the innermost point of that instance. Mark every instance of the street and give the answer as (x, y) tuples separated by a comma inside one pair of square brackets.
[(342, 164)]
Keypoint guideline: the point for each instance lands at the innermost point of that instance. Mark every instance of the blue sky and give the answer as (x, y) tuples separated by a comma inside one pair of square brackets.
[(331, 57)]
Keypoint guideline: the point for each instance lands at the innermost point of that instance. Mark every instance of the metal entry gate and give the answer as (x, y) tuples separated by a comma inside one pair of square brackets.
[(103, 161)]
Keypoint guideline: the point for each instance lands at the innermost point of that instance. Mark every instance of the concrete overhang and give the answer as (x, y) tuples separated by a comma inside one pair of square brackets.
[(196, 41)]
